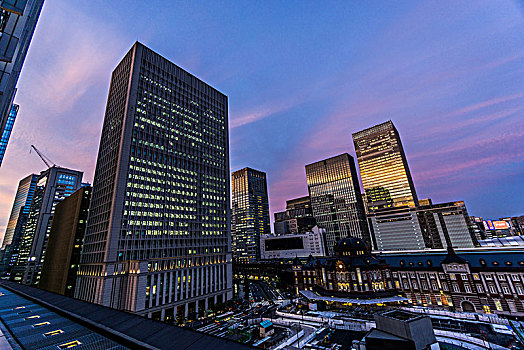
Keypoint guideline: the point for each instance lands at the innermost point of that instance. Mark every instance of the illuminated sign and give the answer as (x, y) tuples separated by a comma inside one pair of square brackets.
[(501, 225), (496, 225)]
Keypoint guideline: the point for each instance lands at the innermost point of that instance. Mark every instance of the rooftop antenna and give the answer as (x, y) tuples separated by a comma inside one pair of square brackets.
[(45, 159)]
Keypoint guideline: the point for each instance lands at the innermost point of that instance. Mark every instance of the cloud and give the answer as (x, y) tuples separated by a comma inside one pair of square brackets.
[(61, 92), (259, 113)]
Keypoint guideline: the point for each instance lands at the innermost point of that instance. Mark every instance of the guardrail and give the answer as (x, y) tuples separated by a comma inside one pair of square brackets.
[(489, 318)]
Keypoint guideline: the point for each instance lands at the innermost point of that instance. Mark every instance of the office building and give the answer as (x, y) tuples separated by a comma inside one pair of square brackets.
[(52, 186), (17, 24), (294, 245), (336, 200), (5, 134), (426, 227), (250, 213), (297, 218), (384, 168), (64, 245), (157, 241), (16, 223), (399, 329)]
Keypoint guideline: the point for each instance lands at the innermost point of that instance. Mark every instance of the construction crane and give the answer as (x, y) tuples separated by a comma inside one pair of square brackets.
[(45, 159)]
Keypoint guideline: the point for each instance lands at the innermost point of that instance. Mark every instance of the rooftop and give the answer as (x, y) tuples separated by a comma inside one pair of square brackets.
[(31, 316)]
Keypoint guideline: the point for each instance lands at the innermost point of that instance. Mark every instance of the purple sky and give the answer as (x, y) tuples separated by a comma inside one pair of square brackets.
[(301, 77)]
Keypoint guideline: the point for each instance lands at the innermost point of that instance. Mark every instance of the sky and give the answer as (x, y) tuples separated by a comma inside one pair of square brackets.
[(301, 77)]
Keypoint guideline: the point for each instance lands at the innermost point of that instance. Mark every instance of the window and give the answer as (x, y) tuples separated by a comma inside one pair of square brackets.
[(415, 285), (455, 287), (476, 276), (498, 305), (505, 289), (464, 277), (467, 288), (492, 288), (434, 285), (515, 277), (452, 276), (519, 289), (445, 287)]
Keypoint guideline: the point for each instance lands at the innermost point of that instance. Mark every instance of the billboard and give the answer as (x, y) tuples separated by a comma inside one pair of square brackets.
[(496, 225)]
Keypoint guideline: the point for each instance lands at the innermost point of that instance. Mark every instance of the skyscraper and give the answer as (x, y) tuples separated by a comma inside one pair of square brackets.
[(17, 220), (5, 134), (250, 213), (21, 204), (65, 243), (52, 186), (298, 217), (17, 24), (336, 199), (384, 168), (158, 236)]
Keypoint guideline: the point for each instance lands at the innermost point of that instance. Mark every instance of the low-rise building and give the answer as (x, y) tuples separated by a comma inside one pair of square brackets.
[(294, 245), (433, 226), (475, 280)]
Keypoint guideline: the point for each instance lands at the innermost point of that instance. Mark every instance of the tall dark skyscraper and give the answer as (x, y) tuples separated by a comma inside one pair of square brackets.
[(17, 221), (336, 199), (298, 217), (158, 236), (52, 186), (64, 246), (17, 24), (250, 213), (6, 133), (384, 168)]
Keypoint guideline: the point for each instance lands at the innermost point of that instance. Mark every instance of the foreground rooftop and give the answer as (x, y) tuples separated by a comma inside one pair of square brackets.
[(35, 319)]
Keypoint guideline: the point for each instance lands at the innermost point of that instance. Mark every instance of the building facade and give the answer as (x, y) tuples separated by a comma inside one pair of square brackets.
[(250, 213), (297, 218), (336, 199), (158, 236), (16, 223), (425, 227), (294, 245), (65, 242), (479, 280), (52, 186), (5, 134), (384, 167), (17, 24)]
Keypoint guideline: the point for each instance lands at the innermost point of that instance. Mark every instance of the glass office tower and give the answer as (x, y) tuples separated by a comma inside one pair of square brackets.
[(17, 24), (336, 199), (384, 168), (5, 134), (158, 239), (16, 223), (21, 204), (52, 186), (250, 213)]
